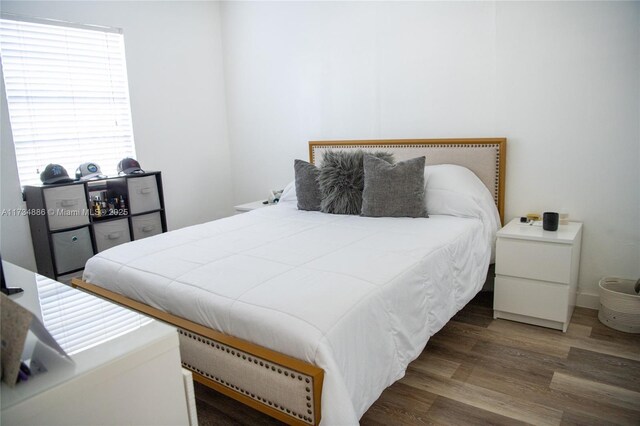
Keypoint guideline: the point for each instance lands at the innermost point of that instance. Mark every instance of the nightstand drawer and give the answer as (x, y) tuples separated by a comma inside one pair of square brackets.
[(531, 298), (534, 259)]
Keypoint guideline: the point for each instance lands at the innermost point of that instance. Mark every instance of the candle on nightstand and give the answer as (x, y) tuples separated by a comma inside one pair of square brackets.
[(564, 217)]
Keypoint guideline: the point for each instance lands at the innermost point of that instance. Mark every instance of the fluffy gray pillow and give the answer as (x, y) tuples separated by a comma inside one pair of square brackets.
[(393, 190), (307, 186), (342, 180)]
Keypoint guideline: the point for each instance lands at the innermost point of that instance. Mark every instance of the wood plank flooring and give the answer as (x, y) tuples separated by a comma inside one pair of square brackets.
[(478, 370)]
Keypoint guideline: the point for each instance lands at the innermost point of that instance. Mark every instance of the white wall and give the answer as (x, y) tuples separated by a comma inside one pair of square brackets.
[(337, 70), (569, 99), (560, 80), (176, 84)]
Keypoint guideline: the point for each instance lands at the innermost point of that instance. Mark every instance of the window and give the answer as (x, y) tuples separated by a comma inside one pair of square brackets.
[(67, 94), (79, 321)]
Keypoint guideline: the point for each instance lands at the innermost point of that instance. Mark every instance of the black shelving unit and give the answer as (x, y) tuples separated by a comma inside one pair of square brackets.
[(67, 228)]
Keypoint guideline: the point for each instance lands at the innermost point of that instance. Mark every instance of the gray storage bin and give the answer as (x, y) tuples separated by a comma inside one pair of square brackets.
[(146, 225), (66, 206), (72, 249), (110, 234), (143, 194)]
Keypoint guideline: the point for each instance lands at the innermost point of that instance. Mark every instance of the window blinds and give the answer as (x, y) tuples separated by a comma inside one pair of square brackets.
[(68, 96), (78, 320)]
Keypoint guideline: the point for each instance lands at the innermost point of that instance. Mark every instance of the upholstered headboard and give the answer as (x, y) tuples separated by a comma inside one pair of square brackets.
[(486, 157)]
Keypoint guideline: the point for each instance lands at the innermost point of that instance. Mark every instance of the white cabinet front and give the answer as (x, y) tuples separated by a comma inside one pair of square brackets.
[(537, 299), (533, 259)]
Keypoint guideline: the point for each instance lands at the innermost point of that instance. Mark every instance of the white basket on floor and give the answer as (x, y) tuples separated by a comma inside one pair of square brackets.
[(619, 305)]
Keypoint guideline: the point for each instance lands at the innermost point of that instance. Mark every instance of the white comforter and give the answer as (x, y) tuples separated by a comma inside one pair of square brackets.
[(359, 297)]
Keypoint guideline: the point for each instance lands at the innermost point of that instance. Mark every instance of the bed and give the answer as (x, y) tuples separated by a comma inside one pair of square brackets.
[(309, 316)]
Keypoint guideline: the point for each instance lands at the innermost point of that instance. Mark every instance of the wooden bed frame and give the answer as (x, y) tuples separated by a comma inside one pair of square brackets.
[(255, 375)]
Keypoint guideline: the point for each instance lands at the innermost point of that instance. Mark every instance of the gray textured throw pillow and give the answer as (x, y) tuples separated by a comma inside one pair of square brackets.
[(393, 190), (307, 186), (342, 180)]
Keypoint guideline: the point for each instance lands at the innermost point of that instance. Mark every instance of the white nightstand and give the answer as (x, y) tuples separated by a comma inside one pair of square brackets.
[(243, 208), (537, 274)]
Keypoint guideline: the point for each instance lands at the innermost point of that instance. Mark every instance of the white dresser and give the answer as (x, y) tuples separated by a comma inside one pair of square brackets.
[(126, 367), (537, 273)]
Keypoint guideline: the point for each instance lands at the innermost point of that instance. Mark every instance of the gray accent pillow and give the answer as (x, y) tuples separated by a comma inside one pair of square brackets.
[(393, 190), (307, 186), (342, 180)]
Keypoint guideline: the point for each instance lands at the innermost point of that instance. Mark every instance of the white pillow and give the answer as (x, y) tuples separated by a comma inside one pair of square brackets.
[(289, 194), (457, 191), (454, 190)]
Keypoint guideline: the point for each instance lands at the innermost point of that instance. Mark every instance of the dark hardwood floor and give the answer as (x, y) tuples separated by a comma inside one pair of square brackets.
[(478, 370)]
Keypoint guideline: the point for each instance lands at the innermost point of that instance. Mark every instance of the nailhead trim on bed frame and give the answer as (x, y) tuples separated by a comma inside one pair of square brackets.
[(275, 369)]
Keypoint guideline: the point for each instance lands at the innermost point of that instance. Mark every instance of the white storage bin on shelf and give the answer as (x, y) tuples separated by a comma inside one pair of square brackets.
[(146, 225), (143, 194), (67, 206), (110, 234), (619, 305)]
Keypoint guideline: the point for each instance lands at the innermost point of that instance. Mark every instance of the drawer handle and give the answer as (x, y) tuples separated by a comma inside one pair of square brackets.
[(148, 228), (69, 203), (146, 191), (74, 239), (114, 235)]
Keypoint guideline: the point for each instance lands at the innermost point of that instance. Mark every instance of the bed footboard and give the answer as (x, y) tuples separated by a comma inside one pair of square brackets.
[(258, 380), (276, 384)]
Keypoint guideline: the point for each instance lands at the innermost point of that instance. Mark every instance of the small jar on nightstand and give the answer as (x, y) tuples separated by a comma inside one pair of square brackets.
[(537, 273)]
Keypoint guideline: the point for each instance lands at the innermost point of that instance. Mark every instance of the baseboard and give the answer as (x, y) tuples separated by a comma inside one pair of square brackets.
[(588, 300)]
